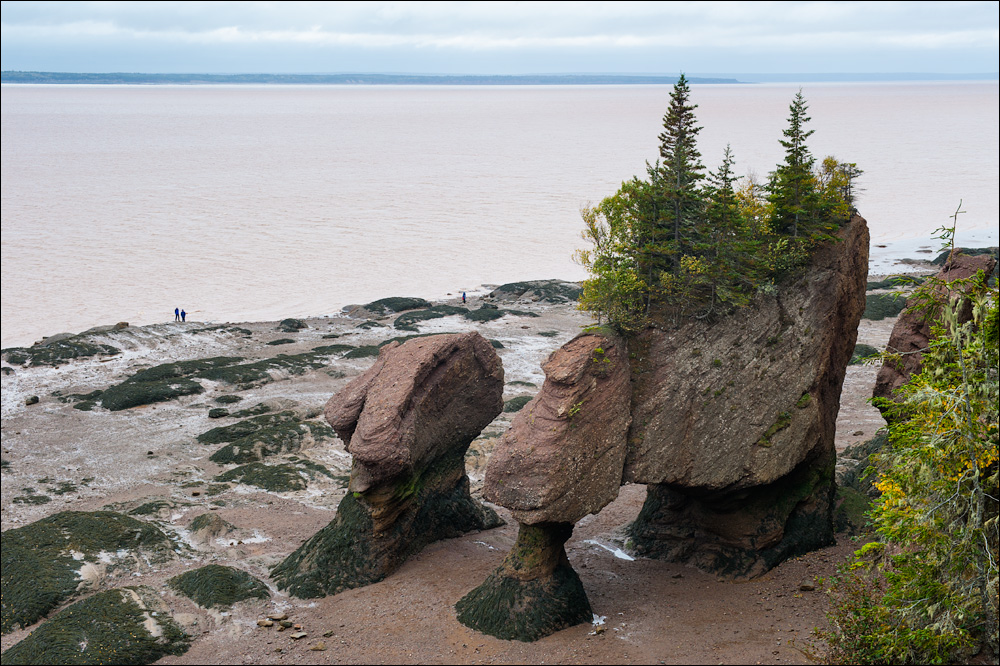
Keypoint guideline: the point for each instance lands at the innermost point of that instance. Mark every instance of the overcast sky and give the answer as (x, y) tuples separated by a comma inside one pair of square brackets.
[(500, 38)]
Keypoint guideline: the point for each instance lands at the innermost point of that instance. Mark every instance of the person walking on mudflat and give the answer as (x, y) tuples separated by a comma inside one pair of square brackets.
[(183, 315), (177, 314)]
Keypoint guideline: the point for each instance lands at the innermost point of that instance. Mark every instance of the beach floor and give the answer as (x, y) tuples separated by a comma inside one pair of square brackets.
[(648, 611)]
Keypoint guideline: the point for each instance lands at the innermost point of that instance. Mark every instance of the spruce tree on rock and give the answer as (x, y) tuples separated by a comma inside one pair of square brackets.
[(793, 188), (681, 169)]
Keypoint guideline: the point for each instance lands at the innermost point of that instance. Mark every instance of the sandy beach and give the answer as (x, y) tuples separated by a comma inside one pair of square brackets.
[(646, 611)]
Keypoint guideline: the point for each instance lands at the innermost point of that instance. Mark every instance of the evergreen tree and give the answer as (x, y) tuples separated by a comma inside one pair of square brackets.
[(793, 188), (680, 170)]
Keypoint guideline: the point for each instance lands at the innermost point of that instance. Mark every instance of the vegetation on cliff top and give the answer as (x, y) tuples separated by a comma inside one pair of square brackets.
[(686, 243)]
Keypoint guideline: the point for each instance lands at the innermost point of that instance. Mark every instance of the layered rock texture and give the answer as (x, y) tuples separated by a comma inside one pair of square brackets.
[(912, 333), (560, 460), (733, 421), (407, 422), (729, 422), (562, 457)]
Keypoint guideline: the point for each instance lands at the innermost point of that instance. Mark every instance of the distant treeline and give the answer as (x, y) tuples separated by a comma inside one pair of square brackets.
[(350, 79)]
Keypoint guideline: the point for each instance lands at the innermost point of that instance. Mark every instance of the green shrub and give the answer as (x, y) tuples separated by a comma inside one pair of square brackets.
[(927, 593)]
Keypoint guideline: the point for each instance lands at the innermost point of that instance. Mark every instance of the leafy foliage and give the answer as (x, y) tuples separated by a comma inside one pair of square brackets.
[(927, 591), (682, 243)]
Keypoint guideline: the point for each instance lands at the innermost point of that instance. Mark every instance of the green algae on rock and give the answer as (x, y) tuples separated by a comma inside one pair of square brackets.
[(57, 353), (407, 421), (283, 477), (377, 530), (549, 291), (534, 593), (41, 561), (218, 586), (266, 435), (396, 304), (128, 625)]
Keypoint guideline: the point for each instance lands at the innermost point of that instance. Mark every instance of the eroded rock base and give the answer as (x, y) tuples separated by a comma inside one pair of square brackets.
[(534, 593), (377, 530), (739, 534)]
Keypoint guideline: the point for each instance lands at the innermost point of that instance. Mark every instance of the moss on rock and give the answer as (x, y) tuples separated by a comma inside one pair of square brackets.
[(119, 626), (217, 586), (39, 570)]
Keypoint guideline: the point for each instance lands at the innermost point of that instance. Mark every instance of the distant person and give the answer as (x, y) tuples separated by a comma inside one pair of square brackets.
[(177, 314), (183, 315), (463, 298)]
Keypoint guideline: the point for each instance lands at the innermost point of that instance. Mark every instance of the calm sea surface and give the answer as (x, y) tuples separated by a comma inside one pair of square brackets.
[(254, 203)]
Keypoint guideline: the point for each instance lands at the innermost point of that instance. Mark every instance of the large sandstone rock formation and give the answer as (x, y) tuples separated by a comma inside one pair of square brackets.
[(560, 460), (912, 333), (407, 422), (733, 421)]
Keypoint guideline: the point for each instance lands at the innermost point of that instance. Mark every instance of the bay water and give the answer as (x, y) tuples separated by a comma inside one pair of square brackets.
[(249, 203)]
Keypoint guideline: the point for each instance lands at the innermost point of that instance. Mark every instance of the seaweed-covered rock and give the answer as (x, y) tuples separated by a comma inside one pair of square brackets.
[(408, 422), (217, 586), (162, 382), (562, 457), (733, 421), (549, 291), (882, 306), (280, 478), (291, 325), (409, 320), (42, 562), (560, 460), (57, 352), (994, 252), (266, 435), (207, 527), (130, 625), (534, 593), (394, 304), (912, 331)]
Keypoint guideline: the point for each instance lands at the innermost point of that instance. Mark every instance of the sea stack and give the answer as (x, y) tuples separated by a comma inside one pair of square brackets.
[(407, 422), (733, 420), (560, 460)]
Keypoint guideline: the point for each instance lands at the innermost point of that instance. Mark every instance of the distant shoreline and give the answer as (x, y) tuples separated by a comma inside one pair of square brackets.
[(361, 79), (120, 78)]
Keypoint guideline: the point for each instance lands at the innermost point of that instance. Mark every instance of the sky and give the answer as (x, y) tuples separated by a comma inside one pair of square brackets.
[(500, 38)]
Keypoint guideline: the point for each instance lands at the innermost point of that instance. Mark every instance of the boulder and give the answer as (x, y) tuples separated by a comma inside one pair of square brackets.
[(407, 422), (562, 456), (911, 333), (560, 460), (733, 420)]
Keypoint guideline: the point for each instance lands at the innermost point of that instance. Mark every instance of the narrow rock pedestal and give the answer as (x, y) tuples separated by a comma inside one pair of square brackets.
[(408, 422), (534, 593), (560, 460)]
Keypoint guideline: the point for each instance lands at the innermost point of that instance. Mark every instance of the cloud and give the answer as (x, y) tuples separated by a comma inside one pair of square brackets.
[(735, 29)]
